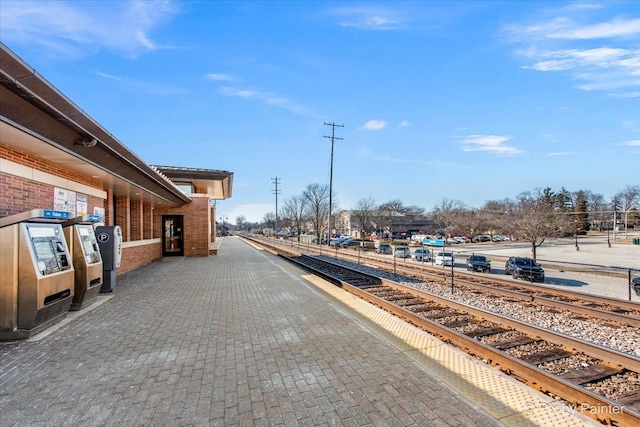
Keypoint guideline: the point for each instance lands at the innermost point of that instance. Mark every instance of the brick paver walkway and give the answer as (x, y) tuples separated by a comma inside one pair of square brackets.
[(237, 339)]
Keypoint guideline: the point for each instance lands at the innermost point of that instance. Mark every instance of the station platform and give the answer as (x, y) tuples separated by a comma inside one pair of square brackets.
[(245, 339)]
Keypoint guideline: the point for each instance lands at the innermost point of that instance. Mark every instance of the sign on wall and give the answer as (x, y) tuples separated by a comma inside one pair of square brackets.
[(64, 200), (82, 203), (99, 212)]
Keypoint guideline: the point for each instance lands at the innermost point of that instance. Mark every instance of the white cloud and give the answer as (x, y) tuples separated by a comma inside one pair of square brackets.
[(561, 60), (633, 143), (268, 98), (615, 28), (632, 124), (404, 124), (80, 28), (109, 76), (375, 125), (600, 55), (151, 88), (367, 18), (561, 153), (493, 143), (566, 28), (218, 77), (624, 95)]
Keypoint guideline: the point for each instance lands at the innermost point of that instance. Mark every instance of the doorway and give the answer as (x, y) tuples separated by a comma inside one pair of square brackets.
[(172, 237)]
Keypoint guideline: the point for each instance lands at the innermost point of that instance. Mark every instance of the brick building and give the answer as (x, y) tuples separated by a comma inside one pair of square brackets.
[(54, 156)]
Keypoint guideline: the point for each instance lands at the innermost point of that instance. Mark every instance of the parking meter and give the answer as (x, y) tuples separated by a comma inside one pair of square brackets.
[(110, 242)]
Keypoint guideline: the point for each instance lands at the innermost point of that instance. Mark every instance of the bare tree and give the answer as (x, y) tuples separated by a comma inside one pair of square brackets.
[(492, 217), (468, 222), (598, 209), (295, 209), (317, 207), (387, 212), (364, 214), (447, 212), (269, 220), (533, 217), (628, 199), (240, 222), (412, 212)]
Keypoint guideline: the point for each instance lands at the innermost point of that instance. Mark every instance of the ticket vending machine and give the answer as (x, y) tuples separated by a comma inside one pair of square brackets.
[(87, 261), (110, 241), (36, 273)]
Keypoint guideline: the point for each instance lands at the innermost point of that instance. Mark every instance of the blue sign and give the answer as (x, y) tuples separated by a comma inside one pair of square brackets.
[(94, 218), (433, 242), (56, 214)]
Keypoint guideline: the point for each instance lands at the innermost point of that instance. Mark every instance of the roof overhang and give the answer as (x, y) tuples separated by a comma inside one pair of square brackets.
[(215, 183), (35, 117)]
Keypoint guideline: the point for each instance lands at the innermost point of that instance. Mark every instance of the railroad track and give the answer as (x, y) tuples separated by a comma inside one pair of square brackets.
[(585, 306), (597, 381), (588, 306)]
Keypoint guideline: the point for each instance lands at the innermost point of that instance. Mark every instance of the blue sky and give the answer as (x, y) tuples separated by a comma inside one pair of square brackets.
[(470, 101)]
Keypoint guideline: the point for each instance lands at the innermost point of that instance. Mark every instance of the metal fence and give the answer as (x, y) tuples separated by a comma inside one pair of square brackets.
[(609, 281)]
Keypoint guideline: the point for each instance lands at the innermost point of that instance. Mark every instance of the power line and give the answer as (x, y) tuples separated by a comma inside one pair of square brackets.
[(275, 191), (333, 137)]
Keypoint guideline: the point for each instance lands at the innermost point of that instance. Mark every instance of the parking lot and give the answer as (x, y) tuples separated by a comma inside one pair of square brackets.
[(593, 252)]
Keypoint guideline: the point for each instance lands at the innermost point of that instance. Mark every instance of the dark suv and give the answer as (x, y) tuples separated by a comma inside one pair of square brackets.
[(524, 268), (384, 248), (478, 263), (636, 285)]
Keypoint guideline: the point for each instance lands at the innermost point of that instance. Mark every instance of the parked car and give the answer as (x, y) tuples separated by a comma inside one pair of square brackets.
[(478, 263), (350, 242), (524, 268), (337, 241), (480, 239), (421, 255), (636, 285), (445, 259), (384, 248), (402, 252)]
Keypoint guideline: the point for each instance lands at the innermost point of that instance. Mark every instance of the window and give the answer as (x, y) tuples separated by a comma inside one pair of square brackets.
[(185, 187)]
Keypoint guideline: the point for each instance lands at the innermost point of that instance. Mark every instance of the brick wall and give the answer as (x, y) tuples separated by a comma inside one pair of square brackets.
[(196, 226), (139, 255), (137, 220), (23, 158), (197, 220), (123, 216), (108, 209), (19, 194)]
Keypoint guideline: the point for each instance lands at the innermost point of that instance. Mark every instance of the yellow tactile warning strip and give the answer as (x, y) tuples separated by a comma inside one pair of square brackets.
[(509, 401)]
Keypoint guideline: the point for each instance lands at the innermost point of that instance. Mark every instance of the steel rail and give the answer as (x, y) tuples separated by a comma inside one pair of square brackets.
[(596, 299), (585, 401), (566, 300)]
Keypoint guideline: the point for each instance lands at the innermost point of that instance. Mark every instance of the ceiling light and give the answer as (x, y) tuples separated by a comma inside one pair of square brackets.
[(86, 142)]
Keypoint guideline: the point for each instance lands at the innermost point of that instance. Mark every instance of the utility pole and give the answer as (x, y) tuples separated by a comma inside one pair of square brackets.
[(333, 137), (276, 181)]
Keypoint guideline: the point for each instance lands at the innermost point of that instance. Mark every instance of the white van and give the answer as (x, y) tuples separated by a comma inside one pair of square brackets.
[(402, 252), (445, 258)]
